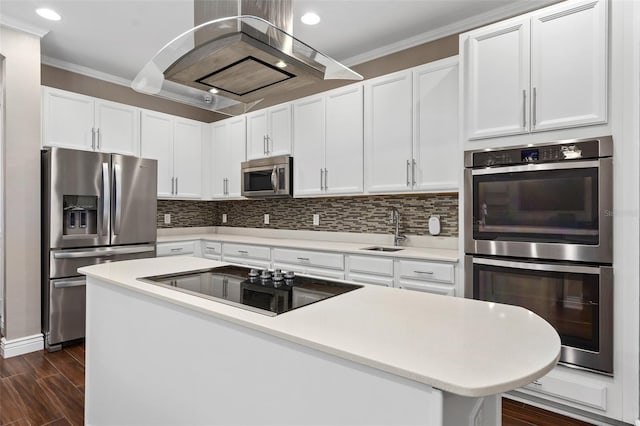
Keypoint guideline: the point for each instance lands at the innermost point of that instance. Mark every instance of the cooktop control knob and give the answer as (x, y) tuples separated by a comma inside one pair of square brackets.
[(277, 276), (266, 275), (253, 273), (289, 275)]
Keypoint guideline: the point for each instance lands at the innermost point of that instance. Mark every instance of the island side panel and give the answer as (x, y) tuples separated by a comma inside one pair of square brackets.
[(149, 361)]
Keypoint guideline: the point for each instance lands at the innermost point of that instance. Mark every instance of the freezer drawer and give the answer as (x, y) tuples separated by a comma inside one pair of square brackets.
[(65, 319)]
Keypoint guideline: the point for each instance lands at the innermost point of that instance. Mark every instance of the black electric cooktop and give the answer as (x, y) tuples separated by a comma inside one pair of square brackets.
[(263, 291)]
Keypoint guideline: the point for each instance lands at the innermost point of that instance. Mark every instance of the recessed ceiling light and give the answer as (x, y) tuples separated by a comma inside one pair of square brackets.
[(48, 14), (310, 18), (213, 90), (281, 64)]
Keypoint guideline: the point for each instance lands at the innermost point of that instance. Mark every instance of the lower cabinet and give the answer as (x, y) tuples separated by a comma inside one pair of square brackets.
[(178, 248), (212, 250), (370, 270), (430, 277), (249, 255), (321, 264)]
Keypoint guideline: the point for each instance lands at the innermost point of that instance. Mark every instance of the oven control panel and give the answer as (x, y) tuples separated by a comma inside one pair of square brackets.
[(575, 150)]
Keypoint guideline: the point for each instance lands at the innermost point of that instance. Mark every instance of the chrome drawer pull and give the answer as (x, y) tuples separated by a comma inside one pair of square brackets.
[(304, 259), (243, 252), (424, 272), (177, 249)]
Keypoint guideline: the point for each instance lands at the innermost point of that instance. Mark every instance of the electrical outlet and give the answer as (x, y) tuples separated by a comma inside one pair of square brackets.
[(224, 218), (167, 218), (266, 219), (316, 219)]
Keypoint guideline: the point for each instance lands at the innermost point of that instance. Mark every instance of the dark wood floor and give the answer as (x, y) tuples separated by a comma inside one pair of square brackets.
[(43, 388)]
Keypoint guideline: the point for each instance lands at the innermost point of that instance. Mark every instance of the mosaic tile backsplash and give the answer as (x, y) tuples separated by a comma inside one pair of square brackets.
[(366, 214)]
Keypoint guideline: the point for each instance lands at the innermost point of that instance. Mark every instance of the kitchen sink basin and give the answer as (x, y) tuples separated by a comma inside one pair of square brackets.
[(390, 249)]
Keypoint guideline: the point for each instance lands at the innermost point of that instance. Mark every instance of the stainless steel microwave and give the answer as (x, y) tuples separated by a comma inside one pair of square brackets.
[(268, 177)]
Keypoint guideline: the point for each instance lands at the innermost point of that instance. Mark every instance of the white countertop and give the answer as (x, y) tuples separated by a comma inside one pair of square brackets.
[(463, 346), (422, 253)]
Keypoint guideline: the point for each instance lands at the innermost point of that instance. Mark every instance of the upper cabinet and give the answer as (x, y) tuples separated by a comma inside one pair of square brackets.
[(328, 139), (227, 153), (411, 130), (71, 120), (177, 145), (540, 71), (269, 132)]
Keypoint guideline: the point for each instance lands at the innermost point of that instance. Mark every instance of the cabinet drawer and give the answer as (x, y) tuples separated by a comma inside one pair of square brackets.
[(371, 265), (175, 249), (212, 249), (243, 250), (307, 270), (426, 271), (251, 263), (427, 287), (371, 279), (585, 392), (311, 258)]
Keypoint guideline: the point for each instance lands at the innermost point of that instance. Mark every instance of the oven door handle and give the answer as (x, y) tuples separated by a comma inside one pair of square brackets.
[(592, 270), (536, 167)]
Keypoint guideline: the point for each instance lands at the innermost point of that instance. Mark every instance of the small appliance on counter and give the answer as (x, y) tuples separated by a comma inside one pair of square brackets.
[(96, 208)]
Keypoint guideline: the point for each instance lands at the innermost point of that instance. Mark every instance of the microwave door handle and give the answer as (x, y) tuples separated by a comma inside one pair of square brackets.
[(117, 182), (274, 179), (106, 198)]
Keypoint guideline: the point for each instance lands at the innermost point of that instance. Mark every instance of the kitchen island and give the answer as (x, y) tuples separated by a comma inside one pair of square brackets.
[(374, 355)]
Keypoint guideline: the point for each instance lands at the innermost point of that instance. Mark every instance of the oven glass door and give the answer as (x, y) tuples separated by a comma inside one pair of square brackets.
[(576, 300), (546, 205)]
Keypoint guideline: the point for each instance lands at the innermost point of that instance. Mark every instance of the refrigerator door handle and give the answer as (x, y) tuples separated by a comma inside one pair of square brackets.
[(105, 252), (117, 178), (106, 198), (67, 284)]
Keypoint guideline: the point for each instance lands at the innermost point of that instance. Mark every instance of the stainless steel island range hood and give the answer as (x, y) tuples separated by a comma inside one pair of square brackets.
[(239, 53)]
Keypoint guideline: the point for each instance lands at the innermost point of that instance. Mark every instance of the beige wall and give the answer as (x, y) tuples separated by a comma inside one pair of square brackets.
[(22, 182)]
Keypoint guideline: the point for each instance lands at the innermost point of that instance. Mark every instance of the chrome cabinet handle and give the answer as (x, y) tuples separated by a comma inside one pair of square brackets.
[(98, 138), (264, 144), (106, 198), (117, 177), (177, 249), (326, 173), (424, 272), (243, 252), (524, 108), (321, 179), (535, 106), (408, 167), (93, 138), (176, 186), (268, 139), (413, 171), (303, 259), (172, 185)]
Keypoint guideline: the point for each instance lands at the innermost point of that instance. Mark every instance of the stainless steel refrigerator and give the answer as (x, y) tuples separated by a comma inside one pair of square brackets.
[(96, 208)]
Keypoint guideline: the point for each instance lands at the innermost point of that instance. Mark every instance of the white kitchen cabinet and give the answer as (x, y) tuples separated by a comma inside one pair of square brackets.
[(212, 250), (411, 130), (540, 71), (569, 65), (269, 132), (436, 159), (75, 121), (228, 152), (328, 140), (323, 264), (430, 277), (245, 254), (177, 145), (178, 248), (370, 270), (388, 133)]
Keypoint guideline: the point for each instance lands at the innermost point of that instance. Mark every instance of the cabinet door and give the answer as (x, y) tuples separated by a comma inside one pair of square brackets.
[(387, 138), (279, 130), (257, 135), (436, 152), (117, 128), (67, 119), (187, 158), (237, 154), (344, 141), (497, 79), (569, 65), (308, 134), (156, 142), (219, 158)]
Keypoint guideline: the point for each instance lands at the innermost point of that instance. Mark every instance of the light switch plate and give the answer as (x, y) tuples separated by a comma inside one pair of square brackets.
[(224, 218), (316, 219), (266, 219), (167, 218)]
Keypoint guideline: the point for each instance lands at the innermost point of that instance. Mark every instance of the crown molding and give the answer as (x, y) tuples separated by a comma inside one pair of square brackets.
[(17, 24), (447, 30), (86, 71)]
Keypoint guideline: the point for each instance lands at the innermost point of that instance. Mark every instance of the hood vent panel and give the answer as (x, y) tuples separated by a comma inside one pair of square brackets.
[(246, 58)]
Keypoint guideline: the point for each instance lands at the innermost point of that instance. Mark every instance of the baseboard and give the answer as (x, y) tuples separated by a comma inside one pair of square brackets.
[(21, 345)]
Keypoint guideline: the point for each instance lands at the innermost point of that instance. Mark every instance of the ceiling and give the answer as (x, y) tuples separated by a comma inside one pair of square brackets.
[(117, 37)]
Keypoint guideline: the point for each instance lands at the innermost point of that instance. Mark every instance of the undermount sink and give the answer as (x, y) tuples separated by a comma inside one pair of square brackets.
[(391, 249)]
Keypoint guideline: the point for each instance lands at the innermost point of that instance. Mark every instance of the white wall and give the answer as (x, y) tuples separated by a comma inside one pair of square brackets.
[(22, 183)]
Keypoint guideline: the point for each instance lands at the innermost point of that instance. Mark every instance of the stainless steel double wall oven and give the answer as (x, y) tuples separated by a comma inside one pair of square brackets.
[(539, 234)]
